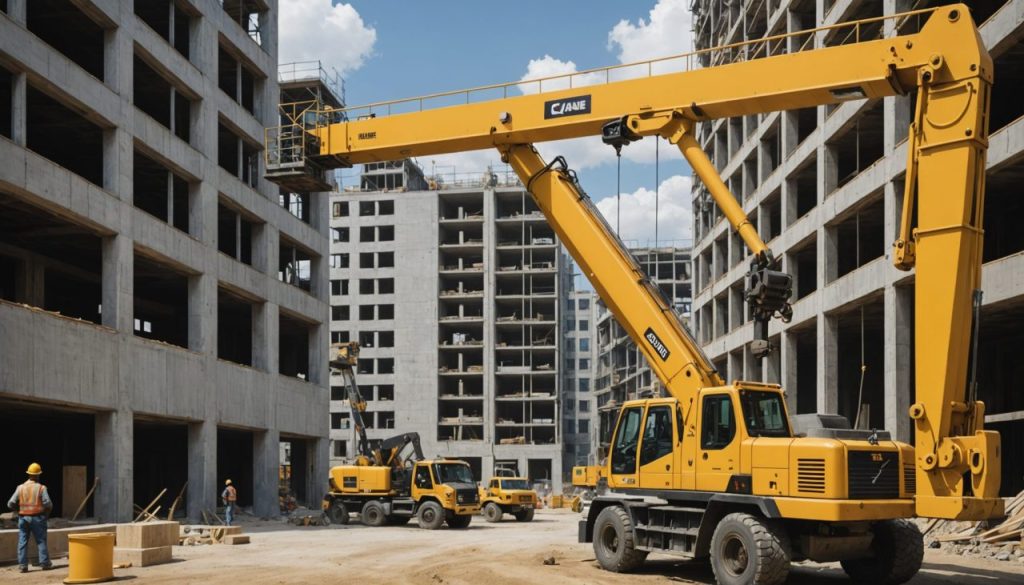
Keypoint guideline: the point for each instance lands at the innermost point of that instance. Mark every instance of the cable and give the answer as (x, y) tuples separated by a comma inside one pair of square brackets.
[(863, 370), (618, 190)]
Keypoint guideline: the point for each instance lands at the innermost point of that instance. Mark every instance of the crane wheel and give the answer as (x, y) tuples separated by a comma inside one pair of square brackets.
[(615, 542), (898, 549), (338, 513), (430, 516), (524, 515), (492, 512), (373, 514), (460, 520), (747, 550)]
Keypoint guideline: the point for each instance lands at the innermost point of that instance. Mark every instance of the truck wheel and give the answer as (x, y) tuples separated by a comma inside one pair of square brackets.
[(460, 520), (524, 515), (898, 549), (373, 514), (430, 516), (492, 512), (338, 513), (747, 550), (614, 541)]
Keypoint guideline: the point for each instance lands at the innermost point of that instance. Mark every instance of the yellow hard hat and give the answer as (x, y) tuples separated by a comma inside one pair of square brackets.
[(228, 482), (34, 469)]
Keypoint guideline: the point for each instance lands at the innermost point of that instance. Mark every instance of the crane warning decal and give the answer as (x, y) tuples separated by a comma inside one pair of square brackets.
[(573, 106), (656, 343)]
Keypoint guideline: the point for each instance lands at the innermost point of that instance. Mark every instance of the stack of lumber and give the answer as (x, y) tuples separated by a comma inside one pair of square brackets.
[(204, 534)]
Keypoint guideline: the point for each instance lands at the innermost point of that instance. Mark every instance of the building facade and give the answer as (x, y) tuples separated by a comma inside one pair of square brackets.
[(824, 186), (580, 353), (162, 315), (453, 295)]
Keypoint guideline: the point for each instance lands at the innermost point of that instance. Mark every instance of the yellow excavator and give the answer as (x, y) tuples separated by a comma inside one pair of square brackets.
[(717, 470)]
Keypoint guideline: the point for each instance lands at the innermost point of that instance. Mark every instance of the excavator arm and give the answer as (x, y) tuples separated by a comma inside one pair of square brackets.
[(944, 62)]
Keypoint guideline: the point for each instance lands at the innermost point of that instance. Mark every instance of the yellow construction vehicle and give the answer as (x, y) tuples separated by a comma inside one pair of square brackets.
[(587, 476), (508, 495), (717, 470), (391, 482)]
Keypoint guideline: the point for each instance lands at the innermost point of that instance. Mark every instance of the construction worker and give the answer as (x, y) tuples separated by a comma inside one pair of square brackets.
[(229, 497), (33, 505)]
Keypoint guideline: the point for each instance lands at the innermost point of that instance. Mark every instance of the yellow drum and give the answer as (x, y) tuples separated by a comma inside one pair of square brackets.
[(90, 557)]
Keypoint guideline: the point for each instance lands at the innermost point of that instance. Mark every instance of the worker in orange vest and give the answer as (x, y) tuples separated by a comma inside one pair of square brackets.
[(229, 496), (33, 505)]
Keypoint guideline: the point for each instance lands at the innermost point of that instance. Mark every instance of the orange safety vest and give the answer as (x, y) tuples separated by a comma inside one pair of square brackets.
[(30, 499), (232, 494)]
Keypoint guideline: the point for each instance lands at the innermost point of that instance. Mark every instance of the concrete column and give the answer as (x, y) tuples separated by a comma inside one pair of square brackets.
[(32, 284), (266, 457), (202, 313), (828, 256), (787, 369), (899, 309), (118, 171), (828, 166), (114, 444), (17, 10), (319, 344), (202, 468), (118, 286), (827, 367), (265, 337), (19, 109), (772, 366)]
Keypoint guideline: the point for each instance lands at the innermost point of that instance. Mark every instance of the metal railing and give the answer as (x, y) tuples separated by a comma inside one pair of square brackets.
[(832, 35), (313, 70)]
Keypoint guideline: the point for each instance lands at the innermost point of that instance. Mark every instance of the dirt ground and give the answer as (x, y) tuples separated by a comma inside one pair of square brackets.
[(509, 553)]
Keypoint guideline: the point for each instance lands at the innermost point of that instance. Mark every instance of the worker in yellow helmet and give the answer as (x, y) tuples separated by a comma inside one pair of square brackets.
[(32, 502), (229, 496)]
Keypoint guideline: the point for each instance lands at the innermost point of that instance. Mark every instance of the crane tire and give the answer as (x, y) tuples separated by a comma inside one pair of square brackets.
[(492, 512), (373, 514), (748, 550), (338, 513), (898, 549), (615, 542), (430, 515)]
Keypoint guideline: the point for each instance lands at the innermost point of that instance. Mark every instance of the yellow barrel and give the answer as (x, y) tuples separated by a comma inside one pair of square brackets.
[(90, 557)]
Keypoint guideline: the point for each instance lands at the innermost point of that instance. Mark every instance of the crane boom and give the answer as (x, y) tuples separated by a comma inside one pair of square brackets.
[(945, 63)]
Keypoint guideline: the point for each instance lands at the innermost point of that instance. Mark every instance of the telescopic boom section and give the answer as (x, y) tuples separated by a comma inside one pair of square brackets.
[(945, 62)]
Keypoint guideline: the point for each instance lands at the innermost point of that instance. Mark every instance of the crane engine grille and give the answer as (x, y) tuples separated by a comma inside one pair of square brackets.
[(873, 475)]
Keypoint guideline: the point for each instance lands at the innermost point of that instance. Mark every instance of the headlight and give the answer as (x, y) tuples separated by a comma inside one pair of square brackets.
[(462, 499)]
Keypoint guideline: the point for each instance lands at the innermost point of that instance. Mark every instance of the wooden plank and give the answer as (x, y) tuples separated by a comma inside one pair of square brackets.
[(1016, 534), (155, 500), (177, 500), (73, 488)]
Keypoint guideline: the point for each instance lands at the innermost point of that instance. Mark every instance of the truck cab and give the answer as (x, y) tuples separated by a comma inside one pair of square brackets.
[(508, 495)]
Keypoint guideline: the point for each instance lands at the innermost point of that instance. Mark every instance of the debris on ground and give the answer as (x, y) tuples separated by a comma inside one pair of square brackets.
[(1002, 540), (550, 561), (306, 517)]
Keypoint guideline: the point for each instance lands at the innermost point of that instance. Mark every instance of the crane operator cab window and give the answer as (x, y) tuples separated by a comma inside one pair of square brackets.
[(657, 434), (422, 478), (624, 451), (764, 414), (719, 422)]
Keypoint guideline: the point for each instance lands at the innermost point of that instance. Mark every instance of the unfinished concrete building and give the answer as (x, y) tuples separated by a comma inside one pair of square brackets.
[(622, 372), (824, 186), (453, 296), (580, 356), (149, 332)]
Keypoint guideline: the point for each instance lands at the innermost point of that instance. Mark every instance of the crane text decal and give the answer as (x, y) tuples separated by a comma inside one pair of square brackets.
[(573, 106), (656, 343)]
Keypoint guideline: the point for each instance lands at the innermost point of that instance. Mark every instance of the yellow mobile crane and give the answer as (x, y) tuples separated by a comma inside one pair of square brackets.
[(716, 470)]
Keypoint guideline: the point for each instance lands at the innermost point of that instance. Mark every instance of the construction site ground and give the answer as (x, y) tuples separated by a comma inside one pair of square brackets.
[(496, 554)]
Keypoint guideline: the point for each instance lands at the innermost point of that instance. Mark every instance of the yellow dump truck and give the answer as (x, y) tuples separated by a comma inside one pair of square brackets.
[(508, 495)]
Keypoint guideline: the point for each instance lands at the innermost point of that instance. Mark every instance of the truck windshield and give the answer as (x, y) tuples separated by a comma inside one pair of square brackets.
[(453, 473), (764, 414), (514, 484)]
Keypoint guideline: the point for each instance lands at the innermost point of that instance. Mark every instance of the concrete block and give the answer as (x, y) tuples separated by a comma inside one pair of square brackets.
[(147, 534), (236, 539), (142, 557), (56, 542)]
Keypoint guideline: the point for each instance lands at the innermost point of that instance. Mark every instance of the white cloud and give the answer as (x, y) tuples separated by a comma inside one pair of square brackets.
[(548, 66), (336, 35), (667, 31), (675, 216)]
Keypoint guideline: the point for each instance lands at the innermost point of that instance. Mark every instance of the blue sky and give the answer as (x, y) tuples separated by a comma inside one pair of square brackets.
[(390, 49)]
